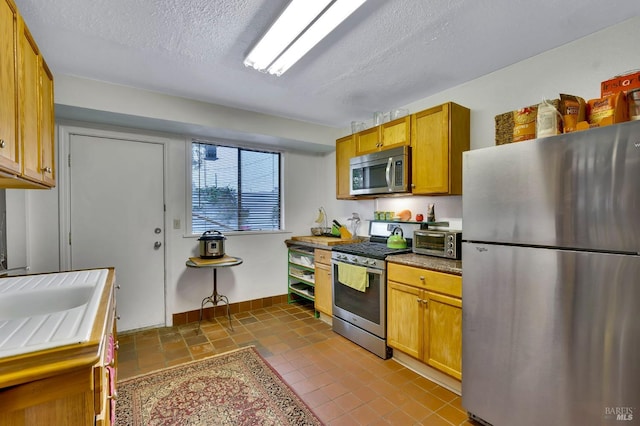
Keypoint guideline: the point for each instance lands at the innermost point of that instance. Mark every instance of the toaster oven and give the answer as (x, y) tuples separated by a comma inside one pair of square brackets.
[(437, 243)]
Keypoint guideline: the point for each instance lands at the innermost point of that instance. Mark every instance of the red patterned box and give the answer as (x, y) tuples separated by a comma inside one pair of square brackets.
[(620, 83)]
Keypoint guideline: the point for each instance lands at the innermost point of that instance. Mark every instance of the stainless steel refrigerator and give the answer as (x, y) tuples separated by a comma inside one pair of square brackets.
[(551, 280)]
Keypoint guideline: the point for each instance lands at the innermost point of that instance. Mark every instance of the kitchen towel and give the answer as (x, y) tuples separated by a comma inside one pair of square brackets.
[(353, 276)]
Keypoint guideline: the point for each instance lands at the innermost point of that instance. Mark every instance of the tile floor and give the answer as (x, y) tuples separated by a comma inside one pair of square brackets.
[(341, 382)]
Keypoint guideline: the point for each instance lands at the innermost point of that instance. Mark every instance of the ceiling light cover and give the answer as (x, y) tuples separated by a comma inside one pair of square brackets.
[(295, 18), (271, 53)]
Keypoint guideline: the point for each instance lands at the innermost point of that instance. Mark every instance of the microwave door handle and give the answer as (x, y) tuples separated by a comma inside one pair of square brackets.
[(388, 173)]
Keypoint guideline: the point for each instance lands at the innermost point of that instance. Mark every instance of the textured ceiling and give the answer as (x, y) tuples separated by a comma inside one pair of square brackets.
[(389, 53)]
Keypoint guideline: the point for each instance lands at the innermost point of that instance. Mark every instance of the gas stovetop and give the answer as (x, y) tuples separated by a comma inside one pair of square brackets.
[(376, 248)]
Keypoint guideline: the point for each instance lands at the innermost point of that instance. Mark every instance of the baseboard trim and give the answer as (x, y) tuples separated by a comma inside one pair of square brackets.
[(210, 312), (428, 372)]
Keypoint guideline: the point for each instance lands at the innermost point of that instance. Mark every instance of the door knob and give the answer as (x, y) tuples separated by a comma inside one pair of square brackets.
[(157, 245)]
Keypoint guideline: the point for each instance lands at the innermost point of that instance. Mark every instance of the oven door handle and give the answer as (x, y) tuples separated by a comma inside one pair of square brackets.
[(388, 175), (369, 270)]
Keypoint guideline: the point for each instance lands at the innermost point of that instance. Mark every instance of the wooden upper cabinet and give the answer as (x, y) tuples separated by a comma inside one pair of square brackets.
[(47, 138), (368, 140), (396, 133), (29, 104), (30, 160), (9, 142), (439, 136), (345, 149), (387, 135)]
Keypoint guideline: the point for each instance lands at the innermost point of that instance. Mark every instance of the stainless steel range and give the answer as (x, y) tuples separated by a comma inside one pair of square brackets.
[(360, 288)]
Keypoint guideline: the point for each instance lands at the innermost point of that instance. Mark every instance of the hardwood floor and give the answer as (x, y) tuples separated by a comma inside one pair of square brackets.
[(341, 382)]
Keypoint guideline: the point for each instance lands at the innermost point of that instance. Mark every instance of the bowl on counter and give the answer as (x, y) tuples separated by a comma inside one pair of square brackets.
[(318, 231)]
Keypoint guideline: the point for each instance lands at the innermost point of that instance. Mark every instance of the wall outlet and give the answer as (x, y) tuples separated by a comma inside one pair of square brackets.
[(176, 223)]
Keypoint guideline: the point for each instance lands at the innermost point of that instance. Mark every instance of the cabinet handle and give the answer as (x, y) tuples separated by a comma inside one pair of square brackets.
[(46, 169), (117, 345), (421, 278), (2, 143), (114, 396)]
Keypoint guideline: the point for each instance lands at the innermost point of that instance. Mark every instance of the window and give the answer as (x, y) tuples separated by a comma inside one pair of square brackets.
[(234, 189)]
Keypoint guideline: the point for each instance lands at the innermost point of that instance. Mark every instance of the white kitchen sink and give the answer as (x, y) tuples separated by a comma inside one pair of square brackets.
[(40, 312)]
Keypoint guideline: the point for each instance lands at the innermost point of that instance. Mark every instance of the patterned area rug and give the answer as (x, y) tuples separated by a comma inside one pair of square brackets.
[(235, 388)]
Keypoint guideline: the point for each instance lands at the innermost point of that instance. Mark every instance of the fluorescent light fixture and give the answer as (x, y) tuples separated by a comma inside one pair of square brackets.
[(298, 29)]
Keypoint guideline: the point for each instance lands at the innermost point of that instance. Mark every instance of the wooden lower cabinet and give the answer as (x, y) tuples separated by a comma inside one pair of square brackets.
[(422, 323), (443, 339), (405, 324), (324, 285)]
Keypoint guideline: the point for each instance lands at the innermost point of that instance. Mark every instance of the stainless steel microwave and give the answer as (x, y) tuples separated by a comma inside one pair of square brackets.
[(437, 243), (383, 172)]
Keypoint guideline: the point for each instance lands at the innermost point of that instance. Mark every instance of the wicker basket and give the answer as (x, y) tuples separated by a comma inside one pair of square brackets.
[(505, 124)]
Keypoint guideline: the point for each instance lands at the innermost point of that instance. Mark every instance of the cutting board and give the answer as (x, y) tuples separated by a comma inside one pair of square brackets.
[(198, 261), (321, 240)]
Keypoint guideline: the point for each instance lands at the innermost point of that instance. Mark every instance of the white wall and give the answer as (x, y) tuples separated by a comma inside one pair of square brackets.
[(577, 68), (80, 99), (16, 228)]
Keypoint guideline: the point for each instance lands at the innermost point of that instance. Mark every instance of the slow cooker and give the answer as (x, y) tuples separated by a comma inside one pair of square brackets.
[(211, 245)]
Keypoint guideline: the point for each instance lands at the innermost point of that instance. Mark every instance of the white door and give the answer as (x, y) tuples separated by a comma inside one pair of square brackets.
[(117, 219)]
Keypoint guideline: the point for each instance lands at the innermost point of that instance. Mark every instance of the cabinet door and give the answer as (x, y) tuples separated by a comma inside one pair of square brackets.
[(405, 326), (29, 83), (9, 141), (323, 292), (47, 139), (345, 149), (396, 133), (430, 151), (439, 136), (322, 256), (368, 141), (443, 338)]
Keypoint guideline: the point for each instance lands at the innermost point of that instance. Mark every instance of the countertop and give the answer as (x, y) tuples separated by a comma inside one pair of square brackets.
[(320, 241), (439, 264), (41, 364)]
